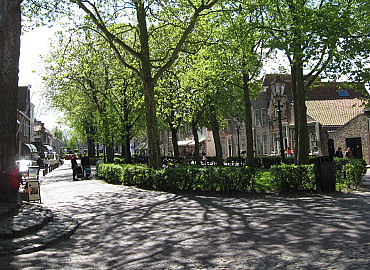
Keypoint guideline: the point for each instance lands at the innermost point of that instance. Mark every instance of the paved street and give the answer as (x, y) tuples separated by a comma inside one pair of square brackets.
[(129, 228)]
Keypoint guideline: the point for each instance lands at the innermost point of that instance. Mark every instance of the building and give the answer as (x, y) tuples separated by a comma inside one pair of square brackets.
[(332, 108), (334, 111), (25, 124)]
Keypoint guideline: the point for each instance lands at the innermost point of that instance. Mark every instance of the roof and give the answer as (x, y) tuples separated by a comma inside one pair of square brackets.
[(320, 90), (334, 112), (335, 90)]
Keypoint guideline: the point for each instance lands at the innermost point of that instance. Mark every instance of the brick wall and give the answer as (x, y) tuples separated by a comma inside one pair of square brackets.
[(357, 127)]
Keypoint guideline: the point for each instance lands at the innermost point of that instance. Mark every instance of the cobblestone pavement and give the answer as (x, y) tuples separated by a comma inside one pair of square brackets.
[(128, 228)]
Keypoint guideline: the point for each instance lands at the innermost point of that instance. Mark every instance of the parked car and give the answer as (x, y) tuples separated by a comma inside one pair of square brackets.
[(23, 165), (68, 156)]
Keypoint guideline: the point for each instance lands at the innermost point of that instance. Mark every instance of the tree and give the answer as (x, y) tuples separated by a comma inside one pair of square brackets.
[(106, 98), (10, 30), (179, 15), (243, 50), (313, 35), (172, 103)]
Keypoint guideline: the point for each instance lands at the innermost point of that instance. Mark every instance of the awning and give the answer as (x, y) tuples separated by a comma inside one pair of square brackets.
[(200, 141), (184, 143), (31, 147), (49, 148)]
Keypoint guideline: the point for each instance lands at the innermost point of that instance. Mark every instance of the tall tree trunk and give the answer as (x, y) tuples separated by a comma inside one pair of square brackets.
[(216, 135), (10, 30), (174, 143), (126, 145), (300, 111), (248, 120), (154, 157), (110, 154), (196, 140), (90, 141), (97, 150)]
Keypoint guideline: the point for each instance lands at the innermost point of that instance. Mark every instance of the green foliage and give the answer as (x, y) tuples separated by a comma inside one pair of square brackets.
[(95, 160), (220, 179), (293, 178), (267, 161), (349, 172), (111, 172), (137, 175)]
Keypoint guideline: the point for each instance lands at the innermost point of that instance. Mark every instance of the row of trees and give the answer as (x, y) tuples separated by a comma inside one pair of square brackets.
[(125, 65)]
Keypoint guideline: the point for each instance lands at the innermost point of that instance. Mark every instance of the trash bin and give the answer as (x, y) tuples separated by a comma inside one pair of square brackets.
[(327, 175)]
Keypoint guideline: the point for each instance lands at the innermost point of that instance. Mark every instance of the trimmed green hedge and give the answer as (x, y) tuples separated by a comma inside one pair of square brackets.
[(349, 172), (222, 179), (284, 178), (289, 177)]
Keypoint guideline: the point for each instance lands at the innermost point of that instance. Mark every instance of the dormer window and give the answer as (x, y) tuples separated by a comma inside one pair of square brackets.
[(343, 93)]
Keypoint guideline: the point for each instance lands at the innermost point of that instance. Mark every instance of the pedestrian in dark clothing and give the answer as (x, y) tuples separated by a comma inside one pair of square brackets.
[(40, 163), (74, 166), (339, 153), (85, 162)]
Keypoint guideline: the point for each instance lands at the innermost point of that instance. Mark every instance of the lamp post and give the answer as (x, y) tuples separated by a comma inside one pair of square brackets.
[(237, 126), (277, 88)]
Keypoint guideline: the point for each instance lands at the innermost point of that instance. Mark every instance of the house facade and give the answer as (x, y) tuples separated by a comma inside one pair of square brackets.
[(332, 108), (25, 124)]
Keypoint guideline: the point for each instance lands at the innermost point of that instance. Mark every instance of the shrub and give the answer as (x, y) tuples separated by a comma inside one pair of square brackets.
[(137, 175), (94, 160), (267, 161), (119, 160), (223, 179), (98, 163), (291, 178), (111, 172)]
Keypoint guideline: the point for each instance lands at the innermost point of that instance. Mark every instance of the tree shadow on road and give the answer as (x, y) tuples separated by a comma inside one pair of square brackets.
[(138, 229)]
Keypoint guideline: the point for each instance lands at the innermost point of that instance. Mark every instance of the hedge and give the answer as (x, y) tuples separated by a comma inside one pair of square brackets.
[(285, 177), (289, 177), (349, 172), (222, 179)]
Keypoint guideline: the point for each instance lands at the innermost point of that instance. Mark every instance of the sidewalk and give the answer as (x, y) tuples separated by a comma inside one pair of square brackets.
[(128, 228)]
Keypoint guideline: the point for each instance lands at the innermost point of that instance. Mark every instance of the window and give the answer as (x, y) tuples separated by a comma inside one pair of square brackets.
[(223, 146), (259, 145), (292, 136), (343, 93), (243, 143), (263, 117), (229, 147), (314, 143), (276, 142), (264, 144), (257, 117), (228, 128)]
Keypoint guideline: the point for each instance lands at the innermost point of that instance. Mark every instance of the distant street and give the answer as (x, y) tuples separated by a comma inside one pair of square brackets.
[(128, 228)]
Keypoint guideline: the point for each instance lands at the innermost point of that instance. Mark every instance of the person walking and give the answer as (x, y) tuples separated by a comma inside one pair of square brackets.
[(349, 153), (85, 162), (339, 153), (74, 166)]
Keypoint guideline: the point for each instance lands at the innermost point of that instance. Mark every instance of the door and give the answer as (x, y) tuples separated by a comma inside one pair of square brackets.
[(356, 146)]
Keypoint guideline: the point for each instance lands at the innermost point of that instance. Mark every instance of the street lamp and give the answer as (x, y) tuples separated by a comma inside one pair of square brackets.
[(277, 88), (237, 126)]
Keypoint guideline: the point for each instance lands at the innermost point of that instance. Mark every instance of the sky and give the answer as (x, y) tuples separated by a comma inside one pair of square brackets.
[(34, 44)]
